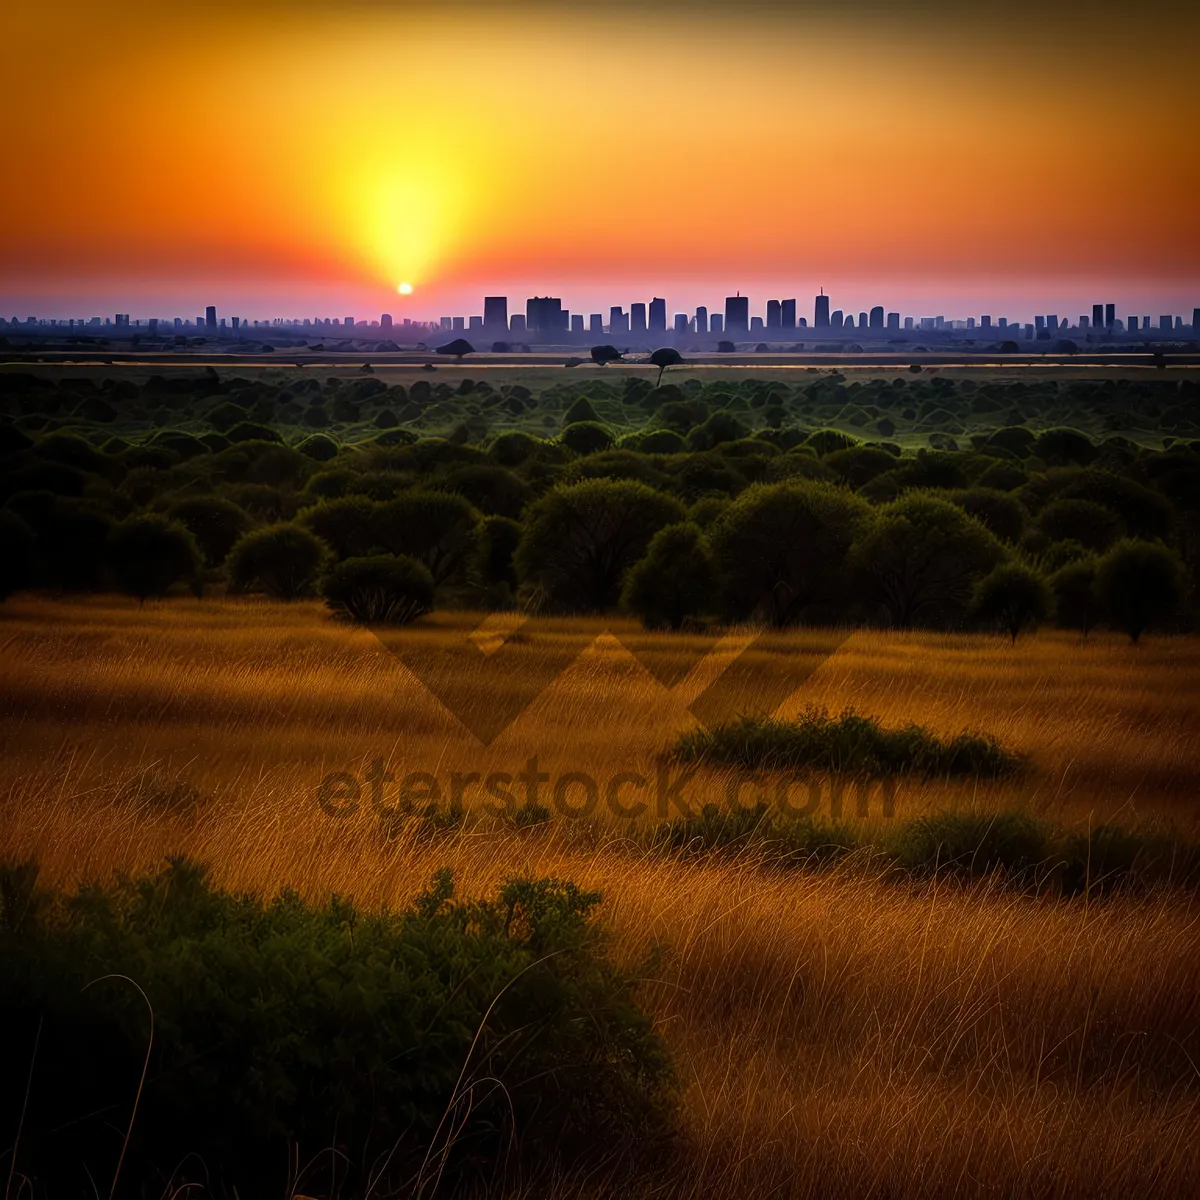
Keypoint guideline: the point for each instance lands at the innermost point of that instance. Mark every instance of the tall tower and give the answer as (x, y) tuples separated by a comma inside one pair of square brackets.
[(658, 316), (787, 314), (210, 317), (737, 314), (495, 312), (821, 319)]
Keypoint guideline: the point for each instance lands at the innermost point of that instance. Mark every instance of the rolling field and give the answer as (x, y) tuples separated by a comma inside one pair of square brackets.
[(839, 1032)]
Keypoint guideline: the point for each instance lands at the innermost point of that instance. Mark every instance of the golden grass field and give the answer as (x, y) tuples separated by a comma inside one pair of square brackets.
[(836, 1033)]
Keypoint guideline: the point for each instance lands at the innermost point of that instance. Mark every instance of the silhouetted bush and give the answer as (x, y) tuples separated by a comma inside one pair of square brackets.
[(383, 589), (1139, 584), (214, 522), (1082, 521), (673, 581), (283, 560), (436, 1035), (586, 437), (580, 540), (438, 529), (780, 549), (973, 844), (1014, 597), (149, 554), (848, 744), (16, 554)]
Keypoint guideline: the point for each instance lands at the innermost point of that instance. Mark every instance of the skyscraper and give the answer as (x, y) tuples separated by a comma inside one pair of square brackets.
[(577, 323), (1165, 323), (658, 315), (716, 323), (821, 317), (773, 314), (787, 314), (893, 322), (1132, 324), (637, 318), (681, 324), (596, 325), (385, 321), (1196, 322), (835, 319), (1110, 316), (876, 318), (1097, 316), (701, 319), (495, 312), (737, 314), (618, 322), (862, 320), (544, 314), (210, 317)]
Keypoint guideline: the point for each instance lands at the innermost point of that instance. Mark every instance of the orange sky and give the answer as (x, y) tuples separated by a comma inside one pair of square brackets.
[(304, 158)]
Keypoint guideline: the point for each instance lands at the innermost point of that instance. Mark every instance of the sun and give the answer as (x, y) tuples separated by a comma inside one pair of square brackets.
[(405, 289)]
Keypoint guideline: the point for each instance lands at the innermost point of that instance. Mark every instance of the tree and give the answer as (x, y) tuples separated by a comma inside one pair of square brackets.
[(149, 553), (1003, 514), (1075, 600), (499, 538), (1013, 596), (580, 540), (664, 357), (458, 348), (16, 554), (439, 529), (1138, 584), (283, 560), (382, 589), (603, 355), (345, 524), (921, 559), (781, 548), (214, 522), (675, 580)]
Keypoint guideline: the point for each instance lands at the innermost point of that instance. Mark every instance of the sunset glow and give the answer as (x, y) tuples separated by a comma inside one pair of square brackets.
[(535, 149)]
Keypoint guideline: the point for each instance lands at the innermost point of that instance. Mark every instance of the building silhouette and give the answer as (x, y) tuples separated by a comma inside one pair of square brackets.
[(737, 314), (774, 315), (495, 312), (385, 321), (1110, 317), (1132, 324), (681, 324), (637, 318), (1097, 316), (702, 319), (618, 322), (577, 323), (210, 317), (893, 322), (876, 318), (1165, 323), (596, 324), (787, 314), (821, 317), (836, 319), (1195, 322), (717, 323), (658, 315), (544, 314)]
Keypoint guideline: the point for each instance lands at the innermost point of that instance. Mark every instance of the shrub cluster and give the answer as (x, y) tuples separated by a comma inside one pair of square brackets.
[(464, 1039)]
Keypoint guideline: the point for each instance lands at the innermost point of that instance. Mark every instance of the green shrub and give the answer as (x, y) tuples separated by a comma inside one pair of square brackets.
[(283, 560), (283, 1028), (1139, 584), (675, 579), (149, 554), (1013, 596), (848, 744), (383, 589), (214, 522), (973, 844), (586, 437)]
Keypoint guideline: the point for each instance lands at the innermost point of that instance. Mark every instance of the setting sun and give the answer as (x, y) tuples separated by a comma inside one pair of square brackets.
[(405, 289)]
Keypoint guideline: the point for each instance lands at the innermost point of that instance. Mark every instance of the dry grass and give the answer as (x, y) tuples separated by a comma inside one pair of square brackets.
[(835, 1033)]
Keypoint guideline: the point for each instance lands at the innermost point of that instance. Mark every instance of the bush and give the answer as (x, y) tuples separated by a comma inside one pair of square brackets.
[(215, 523), (580, 540), (16, 554), (921, 559), (1076, 604), (1139, 584), (780, 549), (437, 528), (383, 589), (282, 1028), (586, 437), (71, 538), (758, 830), (149, 554), (973, 844), (1082, 521), (995, 510), (1013, 596), (283, 560), (499, 538), (848, 744), (674, 581)]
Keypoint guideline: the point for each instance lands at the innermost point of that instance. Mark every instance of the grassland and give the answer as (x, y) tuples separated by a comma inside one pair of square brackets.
[(840, 1032)]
